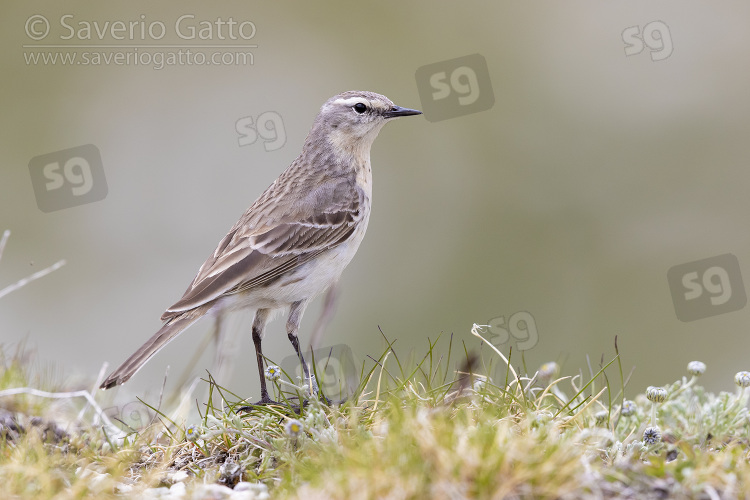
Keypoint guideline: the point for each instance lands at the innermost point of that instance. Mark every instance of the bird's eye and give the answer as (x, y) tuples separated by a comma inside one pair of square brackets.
[(359, 108)]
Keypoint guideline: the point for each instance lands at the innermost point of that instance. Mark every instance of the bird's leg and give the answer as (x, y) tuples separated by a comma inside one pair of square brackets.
[(292, 327), (259, 323)]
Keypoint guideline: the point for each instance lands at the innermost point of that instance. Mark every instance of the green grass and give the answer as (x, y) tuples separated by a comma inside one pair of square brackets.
[(433, 427)]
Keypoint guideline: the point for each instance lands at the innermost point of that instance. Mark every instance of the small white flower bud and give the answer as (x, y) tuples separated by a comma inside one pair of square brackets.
[(742, 379), (628, 408), (548, 371), (273, 373), (192, 433), (656, 394), (696, 368), (294, 427), (652, 435)]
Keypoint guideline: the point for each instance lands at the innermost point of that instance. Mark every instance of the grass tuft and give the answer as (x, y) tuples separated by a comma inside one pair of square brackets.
[(461, 425)]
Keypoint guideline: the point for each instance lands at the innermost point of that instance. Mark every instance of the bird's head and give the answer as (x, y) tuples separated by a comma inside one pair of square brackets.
[(351, 121)]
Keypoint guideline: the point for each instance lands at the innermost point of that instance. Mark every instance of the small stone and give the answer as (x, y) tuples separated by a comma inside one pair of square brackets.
[(250, 491), (231, 473), (156, 492), (251, 487), (123, 488), (179, 476), (212, 491), (177, 490)]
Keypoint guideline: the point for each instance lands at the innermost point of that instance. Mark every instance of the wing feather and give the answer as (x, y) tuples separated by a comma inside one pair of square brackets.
[(254, 255)]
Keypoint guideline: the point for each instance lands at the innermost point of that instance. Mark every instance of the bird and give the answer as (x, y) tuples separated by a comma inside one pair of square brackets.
[(295, 240)]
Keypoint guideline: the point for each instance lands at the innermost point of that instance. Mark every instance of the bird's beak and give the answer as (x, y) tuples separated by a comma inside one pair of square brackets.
[(397, 111)]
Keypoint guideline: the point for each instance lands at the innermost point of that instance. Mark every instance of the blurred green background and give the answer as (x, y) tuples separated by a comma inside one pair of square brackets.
[(592, 175)]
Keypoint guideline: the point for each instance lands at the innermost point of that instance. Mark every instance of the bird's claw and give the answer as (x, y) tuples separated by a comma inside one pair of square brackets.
[(267, 401)]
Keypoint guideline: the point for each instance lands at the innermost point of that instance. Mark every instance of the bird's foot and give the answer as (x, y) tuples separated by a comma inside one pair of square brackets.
[(325, 400), (267, 401)]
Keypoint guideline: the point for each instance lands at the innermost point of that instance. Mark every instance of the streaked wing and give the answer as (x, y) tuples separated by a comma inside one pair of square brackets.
[(251, 256)]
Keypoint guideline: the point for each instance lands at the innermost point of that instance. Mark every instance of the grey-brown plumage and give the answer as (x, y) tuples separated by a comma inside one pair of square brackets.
[(297, 237)]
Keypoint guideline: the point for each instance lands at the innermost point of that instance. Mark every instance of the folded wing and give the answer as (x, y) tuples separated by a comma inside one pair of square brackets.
[(253, 255)]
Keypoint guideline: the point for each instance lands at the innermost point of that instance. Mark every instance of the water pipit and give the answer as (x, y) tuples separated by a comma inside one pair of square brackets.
[(295, 240)]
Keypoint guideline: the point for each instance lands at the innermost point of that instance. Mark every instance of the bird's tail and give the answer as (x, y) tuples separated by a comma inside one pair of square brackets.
[(161, 338)]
